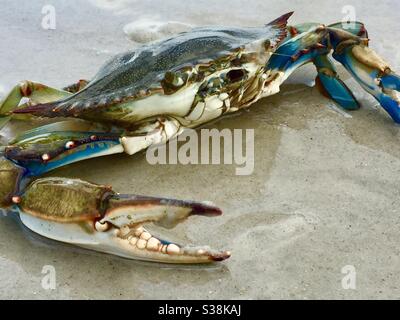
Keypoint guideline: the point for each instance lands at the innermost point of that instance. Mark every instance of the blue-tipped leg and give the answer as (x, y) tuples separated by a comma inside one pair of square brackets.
[(373, 74), (310, 43), (50, 149), (391, 81), (299, 48), (391, 106), (330, 84), (350, 44)]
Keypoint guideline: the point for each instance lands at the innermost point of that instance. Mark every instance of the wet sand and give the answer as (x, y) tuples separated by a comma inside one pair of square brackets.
[(324, 192)]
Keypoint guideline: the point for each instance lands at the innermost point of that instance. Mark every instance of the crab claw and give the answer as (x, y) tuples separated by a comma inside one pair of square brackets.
[(94, 217), (128, 213), (371, 71), (390, 96)]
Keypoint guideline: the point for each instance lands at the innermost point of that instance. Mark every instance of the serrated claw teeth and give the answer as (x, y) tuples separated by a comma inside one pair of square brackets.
[(145, 236), (151, 248), (139, 231), (153, 244), (173, 249), (141, 244), (101, 226), (133, 241)]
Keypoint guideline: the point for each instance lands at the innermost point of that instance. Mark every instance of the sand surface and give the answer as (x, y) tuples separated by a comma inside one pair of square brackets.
[(324, 193)]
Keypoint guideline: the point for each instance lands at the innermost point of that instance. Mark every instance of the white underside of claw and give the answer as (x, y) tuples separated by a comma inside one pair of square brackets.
[(69, 233), (132, 243)]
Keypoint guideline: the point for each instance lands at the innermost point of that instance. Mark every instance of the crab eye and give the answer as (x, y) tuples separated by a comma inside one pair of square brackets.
[(267, 45), (173, 81), (235, 75)]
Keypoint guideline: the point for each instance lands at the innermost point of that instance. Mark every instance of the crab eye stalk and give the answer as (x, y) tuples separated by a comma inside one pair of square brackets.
[(173, 81)]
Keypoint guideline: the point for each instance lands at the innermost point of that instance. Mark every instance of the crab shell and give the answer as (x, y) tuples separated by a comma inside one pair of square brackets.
[(194, 77)]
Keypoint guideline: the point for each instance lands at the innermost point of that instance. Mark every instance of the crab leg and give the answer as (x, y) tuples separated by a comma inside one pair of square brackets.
[(95, 217), (304, 44), (329, 83), (89, 215), (49, 147), (52, 146), (309, 43), (327, 80), (35, 92), (312, 43), (371, 72)]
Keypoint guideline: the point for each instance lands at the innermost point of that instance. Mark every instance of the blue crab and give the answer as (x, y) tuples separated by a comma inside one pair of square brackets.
[(150, 95)]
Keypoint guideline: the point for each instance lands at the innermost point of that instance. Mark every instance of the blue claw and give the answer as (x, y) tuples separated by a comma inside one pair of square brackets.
[(391, 81), (390, 97), (330, 84), (57, 149), (391, 106), (299, 49), (337, 90), (373, 77)]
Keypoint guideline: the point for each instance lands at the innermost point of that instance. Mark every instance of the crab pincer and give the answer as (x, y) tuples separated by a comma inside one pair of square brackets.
[(95, 217)]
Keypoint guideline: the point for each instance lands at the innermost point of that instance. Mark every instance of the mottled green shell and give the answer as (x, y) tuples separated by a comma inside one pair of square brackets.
[(146, 68), (155, 67), (64, 200)]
